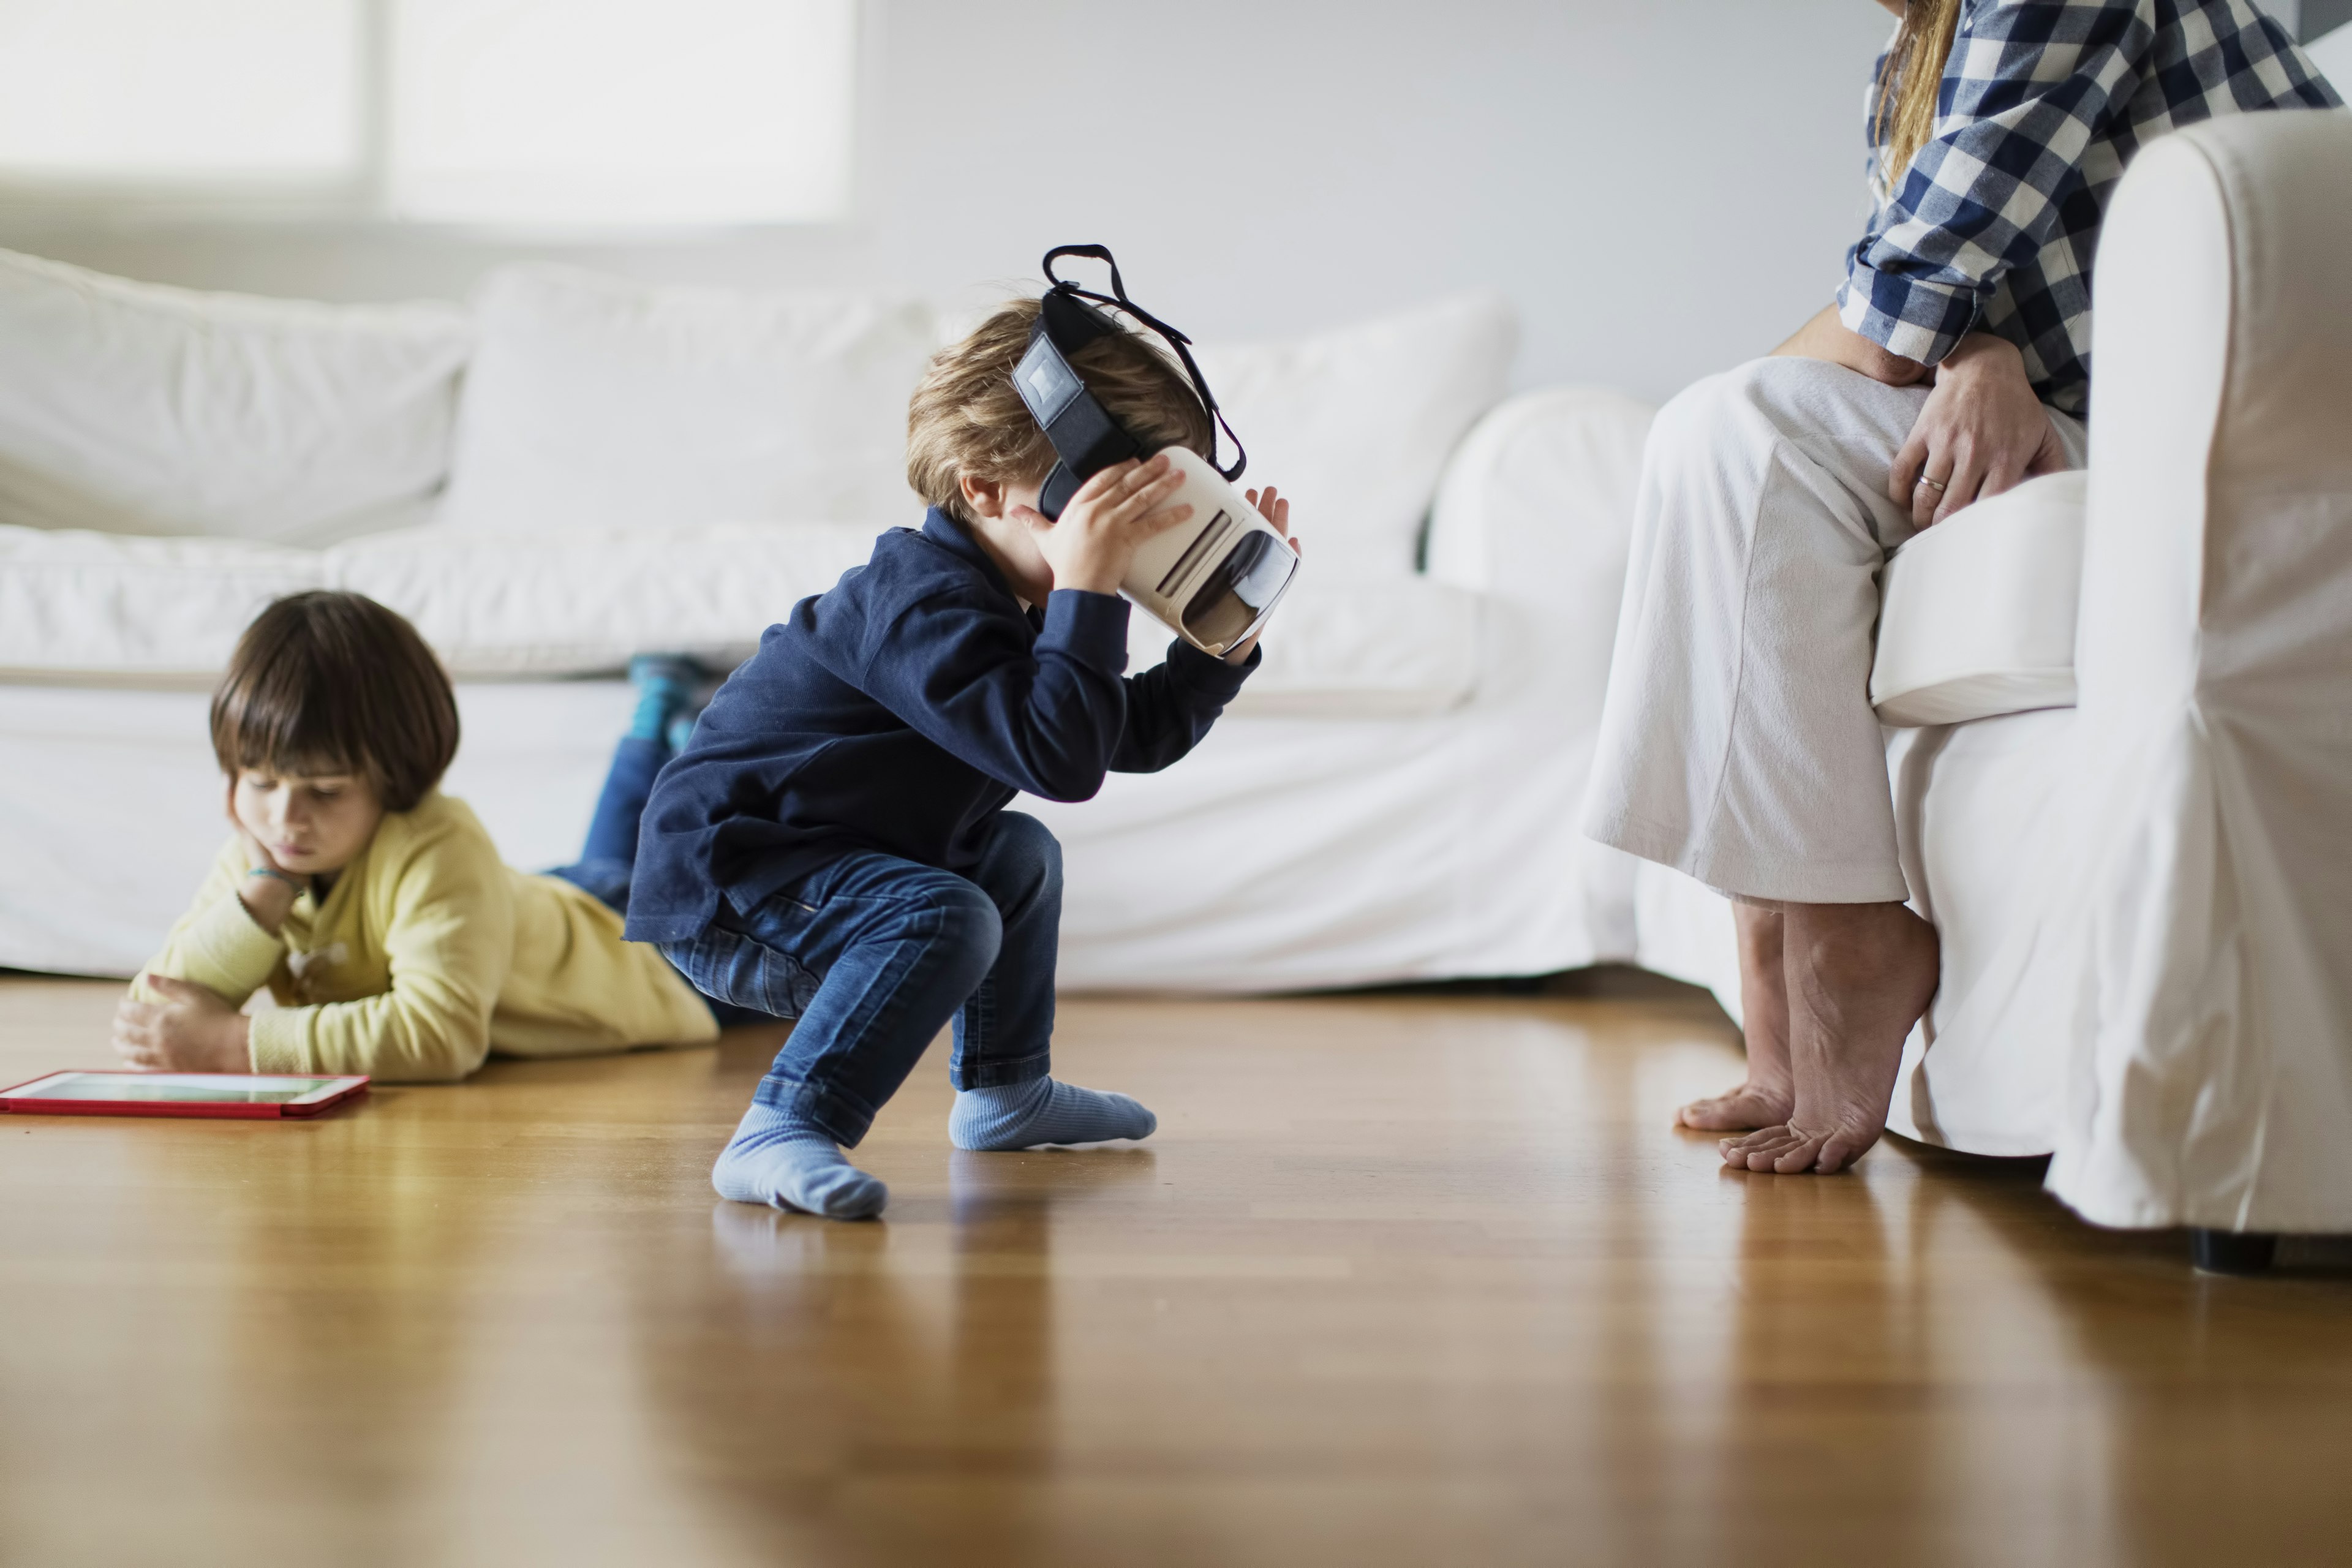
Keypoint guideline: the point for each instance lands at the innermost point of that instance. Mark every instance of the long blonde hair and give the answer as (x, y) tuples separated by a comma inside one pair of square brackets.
[(1904, 114)]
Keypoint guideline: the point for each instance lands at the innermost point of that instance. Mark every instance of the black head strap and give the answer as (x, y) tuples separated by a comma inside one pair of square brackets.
[(1086, 438)]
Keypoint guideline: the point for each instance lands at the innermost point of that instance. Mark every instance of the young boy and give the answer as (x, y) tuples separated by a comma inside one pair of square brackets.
[(833, 844)]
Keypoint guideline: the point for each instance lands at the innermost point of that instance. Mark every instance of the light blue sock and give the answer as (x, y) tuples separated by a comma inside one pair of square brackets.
[(776, 1157), (664, 684), (1024, 1115)]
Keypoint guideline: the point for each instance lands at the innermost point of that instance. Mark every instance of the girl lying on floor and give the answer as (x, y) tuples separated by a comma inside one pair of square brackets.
[(374, 907)]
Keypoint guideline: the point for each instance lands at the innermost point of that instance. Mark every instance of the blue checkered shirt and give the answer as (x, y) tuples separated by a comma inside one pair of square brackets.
[(1992, 227)]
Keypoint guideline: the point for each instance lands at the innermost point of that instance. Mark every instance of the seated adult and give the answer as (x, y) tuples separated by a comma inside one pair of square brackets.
[(1738, 744)]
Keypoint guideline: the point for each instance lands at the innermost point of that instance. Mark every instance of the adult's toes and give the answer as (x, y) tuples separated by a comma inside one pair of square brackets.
[(1757, 1149), (1774, 1156), (1740, 1112), (1837, 1152), (1800, 1155)]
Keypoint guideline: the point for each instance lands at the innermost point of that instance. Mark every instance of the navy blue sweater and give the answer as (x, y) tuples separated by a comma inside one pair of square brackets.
[(900, 712)]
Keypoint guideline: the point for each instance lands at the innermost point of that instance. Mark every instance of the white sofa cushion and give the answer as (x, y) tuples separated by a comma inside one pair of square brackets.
[(594, 404), (1354, 425), (1977, 615), (120, 610), (123, 609), (135, 408), (576, 603)]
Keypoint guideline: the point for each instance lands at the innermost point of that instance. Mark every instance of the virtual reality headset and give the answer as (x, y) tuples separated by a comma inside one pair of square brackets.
[(1215, 579)]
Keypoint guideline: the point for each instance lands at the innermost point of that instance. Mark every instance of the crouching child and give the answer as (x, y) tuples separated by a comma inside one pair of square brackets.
[(833, 844)]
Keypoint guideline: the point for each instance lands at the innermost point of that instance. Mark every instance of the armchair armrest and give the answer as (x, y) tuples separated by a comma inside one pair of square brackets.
[(1976, 615)]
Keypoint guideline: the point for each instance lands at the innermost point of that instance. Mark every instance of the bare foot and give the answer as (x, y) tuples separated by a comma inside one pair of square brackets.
[(1859, 977), (1769, 1093), (1758, 1102)]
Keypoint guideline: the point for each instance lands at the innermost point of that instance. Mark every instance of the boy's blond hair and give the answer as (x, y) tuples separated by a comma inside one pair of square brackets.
[(966, 417)]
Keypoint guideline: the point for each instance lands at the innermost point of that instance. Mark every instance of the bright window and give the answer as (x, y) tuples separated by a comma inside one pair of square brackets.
[(575, 114), (653, 112), (162, 92)]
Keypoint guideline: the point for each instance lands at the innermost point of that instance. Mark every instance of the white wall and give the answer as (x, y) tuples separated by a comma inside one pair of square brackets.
[(1663, 186)]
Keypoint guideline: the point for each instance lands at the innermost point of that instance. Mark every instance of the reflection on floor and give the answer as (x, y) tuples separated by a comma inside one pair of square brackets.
[(1400, 1279)]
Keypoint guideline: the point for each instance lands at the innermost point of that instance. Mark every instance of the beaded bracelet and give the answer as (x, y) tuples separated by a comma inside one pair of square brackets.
[(275, 875)]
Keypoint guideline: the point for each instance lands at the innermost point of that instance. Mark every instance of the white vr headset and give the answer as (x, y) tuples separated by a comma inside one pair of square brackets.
[(1213, 580)]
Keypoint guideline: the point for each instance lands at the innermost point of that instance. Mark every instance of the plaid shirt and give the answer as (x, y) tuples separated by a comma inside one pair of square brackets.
[(2042, 104)]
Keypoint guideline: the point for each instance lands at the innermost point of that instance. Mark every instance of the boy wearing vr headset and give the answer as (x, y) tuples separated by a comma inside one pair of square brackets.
[(833, 845)]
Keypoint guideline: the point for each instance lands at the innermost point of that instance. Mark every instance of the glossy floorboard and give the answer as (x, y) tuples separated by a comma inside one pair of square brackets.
[(1422, 1279)]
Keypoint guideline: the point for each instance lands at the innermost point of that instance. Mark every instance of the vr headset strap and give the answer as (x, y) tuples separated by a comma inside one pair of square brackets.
[(1086, 438)]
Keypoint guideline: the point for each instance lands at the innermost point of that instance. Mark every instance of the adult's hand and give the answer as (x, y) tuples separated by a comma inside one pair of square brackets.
[(1981, 432)]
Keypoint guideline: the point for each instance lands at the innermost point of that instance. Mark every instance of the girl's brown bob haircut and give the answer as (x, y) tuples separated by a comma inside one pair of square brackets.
[(967, 418), (335, 683)]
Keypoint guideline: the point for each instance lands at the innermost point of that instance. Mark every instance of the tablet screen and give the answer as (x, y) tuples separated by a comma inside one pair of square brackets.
[(184, 1088)]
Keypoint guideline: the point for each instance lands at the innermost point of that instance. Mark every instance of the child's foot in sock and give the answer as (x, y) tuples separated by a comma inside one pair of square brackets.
[(1024, 1115), (778, 1158), (664, 684)]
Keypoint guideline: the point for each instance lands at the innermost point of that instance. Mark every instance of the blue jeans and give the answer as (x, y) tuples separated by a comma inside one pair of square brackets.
[(609, 858), (873, 953), (610, 855)]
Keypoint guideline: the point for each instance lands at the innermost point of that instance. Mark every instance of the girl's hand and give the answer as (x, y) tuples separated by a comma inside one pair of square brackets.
[(265, 899), (1091, 544), (191, 1030), (1275, 511), (1981, 432)]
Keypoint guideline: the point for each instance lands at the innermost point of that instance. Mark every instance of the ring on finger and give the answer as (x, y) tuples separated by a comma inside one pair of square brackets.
[(1932, 484)]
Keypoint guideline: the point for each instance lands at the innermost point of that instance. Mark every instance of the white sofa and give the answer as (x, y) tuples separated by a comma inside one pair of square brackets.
[(2123, 772), (575, 469)]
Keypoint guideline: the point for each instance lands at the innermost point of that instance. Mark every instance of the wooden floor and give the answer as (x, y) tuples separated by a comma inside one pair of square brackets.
[(1400, 1279)]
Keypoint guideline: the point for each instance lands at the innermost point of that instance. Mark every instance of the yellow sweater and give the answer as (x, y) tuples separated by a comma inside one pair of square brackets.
[(429, 954)]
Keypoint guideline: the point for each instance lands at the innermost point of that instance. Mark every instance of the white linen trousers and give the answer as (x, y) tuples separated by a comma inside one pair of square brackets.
[(1737, 743)]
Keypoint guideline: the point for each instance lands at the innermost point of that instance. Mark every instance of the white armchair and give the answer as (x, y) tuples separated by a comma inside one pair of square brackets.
[(2145, 899), (2211, 1084)]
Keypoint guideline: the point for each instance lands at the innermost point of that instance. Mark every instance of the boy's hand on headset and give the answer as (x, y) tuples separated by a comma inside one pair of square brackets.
[(1272, 506), (1090, 545)]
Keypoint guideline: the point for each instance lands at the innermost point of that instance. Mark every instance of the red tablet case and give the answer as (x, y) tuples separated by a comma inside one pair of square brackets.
[(46, 1105)]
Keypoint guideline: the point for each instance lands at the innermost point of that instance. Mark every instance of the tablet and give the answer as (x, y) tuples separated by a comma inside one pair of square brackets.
[(122, 1093)]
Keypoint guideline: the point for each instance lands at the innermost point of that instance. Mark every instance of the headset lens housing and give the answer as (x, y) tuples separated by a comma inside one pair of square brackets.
[(1240, 591)]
